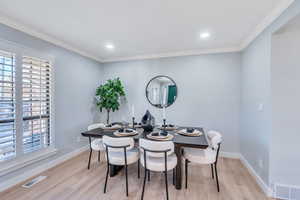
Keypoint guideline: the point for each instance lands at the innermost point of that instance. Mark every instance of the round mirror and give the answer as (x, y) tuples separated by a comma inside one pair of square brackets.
[(161, 91)]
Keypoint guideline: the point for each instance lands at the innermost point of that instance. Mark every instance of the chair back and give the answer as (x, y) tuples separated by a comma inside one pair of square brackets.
[(215, 138), (153, 146), (95, 126), (117, 144)]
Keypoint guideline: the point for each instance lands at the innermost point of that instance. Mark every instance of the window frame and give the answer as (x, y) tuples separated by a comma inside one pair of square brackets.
[(21, 159)]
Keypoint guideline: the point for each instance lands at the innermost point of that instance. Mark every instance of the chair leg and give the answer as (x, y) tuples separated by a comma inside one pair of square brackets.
[(106, 178), (186, 173), (139, 168), (166, 180), (212, 170), (99, 153), (126, 174), (145, 177), (216, 171), (148, 175), (90, 158)]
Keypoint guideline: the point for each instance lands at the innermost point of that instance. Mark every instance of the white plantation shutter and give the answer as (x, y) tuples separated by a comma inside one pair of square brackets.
[(25, 105), (36, 80), (7, 106)]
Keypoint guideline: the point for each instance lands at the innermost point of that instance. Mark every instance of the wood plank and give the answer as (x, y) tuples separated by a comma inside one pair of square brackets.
[(72, 180)]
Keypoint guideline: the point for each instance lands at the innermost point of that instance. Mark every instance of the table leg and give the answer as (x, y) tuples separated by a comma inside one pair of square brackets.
[(114, 170), (178, 168), (90, 142)]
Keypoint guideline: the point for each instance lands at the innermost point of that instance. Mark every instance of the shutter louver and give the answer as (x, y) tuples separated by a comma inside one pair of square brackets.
[(36, 104), (7, 106)]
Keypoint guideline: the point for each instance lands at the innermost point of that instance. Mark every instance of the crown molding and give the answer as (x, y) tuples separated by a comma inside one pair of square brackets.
[(268, 20), (173, 54), (26, 29)]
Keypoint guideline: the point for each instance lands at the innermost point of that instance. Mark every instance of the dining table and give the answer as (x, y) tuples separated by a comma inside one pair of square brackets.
[(180, 142)]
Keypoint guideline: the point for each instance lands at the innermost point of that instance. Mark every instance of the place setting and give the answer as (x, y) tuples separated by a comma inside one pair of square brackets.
[(191, 132), (126, 132), (160, 135), (111, 126)]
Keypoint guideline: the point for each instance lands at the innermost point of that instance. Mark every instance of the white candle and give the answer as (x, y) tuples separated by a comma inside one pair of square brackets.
[(132, 110), (164, 112)]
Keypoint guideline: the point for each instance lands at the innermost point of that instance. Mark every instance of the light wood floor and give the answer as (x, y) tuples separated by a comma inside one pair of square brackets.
[(72, 180)]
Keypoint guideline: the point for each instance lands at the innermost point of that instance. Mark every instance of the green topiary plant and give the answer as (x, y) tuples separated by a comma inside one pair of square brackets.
[(108, 96)]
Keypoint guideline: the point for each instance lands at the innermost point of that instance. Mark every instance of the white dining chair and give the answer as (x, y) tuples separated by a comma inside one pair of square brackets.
[(157, 156), (207, 156), (96, 144), (121, 152)]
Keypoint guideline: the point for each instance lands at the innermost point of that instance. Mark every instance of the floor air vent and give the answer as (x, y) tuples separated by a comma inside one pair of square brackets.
[(34, 181), (286, 192)]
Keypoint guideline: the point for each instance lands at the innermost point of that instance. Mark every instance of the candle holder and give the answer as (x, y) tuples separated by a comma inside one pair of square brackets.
[(133, 122), (164, 120)]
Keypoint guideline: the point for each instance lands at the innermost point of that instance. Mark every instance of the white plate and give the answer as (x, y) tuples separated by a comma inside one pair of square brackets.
[(195, 133), (160, 137), (124, 134)]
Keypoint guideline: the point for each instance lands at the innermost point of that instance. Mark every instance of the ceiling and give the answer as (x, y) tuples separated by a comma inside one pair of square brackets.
[(142, 29)]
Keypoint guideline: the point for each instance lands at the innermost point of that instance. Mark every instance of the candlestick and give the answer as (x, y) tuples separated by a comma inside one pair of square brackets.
[(133, 122), (132, 110)]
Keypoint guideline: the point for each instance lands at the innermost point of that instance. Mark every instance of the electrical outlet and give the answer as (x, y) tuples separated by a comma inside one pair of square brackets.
[(78, 138)]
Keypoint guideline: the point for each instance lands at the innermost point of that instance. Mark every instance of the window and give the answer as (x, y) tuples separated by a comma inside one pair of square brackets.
[(25, 105), (36, 104), (7, 106)]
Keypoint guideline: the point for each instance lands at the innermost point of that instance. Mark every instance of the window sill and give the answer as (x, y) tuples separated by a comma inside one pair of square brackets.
[(17, 163)]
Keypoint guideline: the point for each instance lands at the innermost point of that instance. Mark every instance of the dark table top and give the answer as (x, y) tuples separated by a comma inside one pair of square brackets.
[(180, 140)]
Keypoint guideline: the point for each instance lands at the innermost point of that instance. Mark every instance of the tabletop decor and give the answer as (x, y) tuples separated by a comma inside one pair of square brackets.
[(133, 116), (190, 132), (163, 136), (164, 118), (168, 127), (148, 122), (111, 126), (125, 132), (108, 96)]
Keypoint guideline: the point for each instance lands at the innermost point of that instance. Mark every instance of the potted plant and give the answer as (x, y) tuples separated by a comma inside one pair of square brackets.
[(108, 96)]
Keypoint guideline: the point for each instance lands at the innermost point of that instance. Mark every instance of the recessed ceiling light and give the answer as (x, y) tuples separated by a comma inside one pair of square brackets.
[(205, 35), (110, 46)]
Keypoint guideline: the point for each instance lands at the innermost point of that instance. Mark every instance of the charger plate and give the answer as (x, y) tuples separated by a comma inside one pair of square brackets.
[(160, 137), (184, 132), (124, 134)]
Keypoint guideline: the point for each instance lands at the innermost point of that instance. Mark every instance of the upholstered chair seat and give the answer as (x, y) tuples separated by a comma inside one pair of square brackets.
[(207, 156)]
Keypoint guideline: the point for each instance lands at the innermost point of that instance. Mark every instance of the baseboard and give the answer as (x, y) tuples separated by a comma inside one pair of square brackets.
[(265, 188), (232, 155), (33, 172)]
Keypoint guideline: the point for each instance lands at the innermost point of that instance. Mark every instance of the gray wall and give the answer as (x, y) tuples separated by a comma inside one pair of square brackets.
[(208, 91), (256, 126), (285, 83), (76, 79)]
